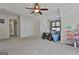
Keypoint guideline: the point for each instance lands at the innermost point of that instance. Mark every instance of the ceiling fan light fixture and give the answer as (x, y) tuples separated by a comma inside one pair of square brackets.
[(37, 7), (36, 11)]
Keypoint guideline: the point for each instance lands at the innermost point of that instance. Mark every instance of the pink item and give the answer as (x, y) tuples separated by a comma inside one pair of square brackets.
[(70, 35), (76, 36)]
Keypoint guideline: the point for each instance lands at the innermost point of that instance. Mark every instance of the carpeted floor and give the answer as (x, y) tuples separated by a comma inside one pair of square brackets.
[(35, 46)]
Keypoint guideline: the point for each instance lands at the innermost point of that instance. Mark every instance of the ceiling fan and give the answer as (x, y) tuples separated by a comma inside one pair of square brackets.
[(36, 9)]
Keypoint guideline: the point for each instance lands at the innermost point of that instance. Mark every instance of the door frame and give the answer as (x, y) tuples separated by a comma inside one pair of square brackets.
[(18, 27)]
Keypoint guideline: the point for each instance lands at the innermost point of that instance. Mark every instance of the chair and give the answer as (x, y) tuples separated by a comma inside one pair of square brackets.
[(46, 35)]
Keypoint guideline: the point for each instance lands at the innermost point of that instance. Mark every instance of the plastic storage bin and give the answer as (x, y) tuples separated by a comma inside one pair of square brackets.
[(55, 37)]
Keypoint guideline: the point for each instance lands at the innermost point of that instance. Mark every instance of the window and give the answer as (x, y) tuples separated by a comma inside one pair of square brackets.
[(57, 23), (55, 26), (57, 29), (53, 29)]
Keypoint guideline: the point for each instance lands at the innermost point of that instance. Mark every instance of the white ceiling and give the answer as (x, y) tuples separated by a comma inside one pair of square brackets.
[(18, 8)]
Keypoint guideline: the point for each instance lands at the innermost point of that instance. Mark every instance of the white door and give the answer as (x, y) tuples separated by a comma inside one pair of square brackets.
[(37, 28)]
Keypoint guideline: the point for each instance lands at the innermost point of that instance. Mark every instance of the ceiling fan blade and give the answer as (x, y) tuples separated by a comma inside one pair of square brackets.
[(32, 12), (40, 12), (43, 9), (28, 8)]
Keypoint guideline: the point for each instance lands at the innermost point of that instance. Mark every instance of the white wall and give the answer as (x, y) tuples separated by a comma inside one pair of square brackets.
[(44, 22), (28, 25), (69, 17), (4, 28), (44, 25)]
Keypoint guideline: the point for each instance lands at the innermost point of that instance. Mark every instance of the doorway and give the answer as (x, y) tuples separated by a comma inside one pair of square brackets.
[(12, 28)]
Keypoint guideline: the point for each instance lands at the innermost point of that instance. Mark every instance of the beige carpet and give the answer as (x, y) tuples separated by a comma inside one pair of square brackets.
[(35, 46)]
